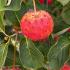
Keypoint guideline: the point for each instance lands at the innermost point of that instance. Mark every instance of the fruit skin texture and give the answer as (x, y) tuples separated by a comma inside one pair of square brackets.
[(65, 67), (37, 26)]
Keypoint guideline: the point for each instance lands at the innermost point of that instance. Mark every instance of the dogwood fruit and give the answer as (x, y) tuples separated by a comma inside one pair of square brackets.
[(37, 26)]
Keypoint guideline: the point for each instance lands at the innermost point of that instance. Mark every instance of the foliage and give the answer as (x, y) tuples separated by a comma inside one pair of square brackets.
[(42, 55)]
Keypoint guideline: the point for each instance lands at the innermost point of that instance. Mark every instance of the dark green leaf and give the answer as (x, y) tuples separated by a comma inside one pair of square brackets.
[(1, 38), (59, 24), (44, 47), (58, 54), (3, 53), (12, 17), (30, 56), (9, 60), (16, 16), (66, 14)]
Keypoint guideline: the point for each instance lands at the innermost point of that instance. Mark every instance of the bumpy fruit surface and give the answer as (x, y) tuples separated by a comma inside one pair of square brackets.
[(37, 26), (65, 67)]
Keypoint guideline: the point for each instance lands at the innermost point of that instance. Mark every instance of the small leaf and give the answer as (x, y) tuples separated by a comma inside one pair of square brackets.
[(10, 5), (66, 14), (9, 59), (30, 56), (60, 24), (58, 54), (63, 2), (16, 15), (13, 18), (3, 53)]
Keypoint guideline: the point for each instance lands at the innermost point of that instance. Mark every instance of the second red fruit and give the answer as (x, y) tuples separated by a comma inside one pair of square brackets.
[(68, 30), (41, 1), (49, 2), (65, 67)]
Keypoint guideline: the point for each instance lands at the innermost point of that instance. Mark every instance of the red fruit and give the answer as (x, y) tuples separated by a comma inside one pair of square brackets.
[(13, 68), (41, 1), (37, 26), (65, 67), (68, 30), (49, 2), (7, 68), (56, 38)]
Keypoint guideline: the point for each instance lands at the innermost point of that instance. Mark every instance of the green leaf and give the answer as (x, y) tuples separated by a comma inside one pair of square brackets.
[(62, 32), (3, 53), (30, 56), (64, 2), (1, 20), (9, 59), (58, 54), (59, 24), (13, 5), (13, 18), (44, 47), (66, 14), (16, 15)]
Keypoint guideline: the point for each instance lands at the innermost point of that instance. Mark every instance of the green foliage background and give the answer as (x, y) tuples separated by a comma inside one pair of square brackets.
[(41, 55)]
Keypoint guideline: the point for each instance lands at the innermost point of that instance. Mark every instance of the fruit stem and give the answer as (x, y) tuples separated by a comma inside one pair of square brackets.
[(34, 6), (14, 57), (3, 32)]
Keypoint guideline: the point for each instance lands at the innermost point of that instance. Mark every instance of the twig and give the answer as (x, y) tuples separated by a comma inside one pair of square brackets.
[(34, 6), (3, 32)]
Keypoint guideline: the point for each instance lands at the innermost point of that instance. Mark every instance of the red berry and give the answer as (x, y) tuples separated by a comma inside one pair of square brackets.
[(56, 38), (13, 68), (6, 68), (65, 67), (49, 2), (37, 26), (41, 1), (68, 30)]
